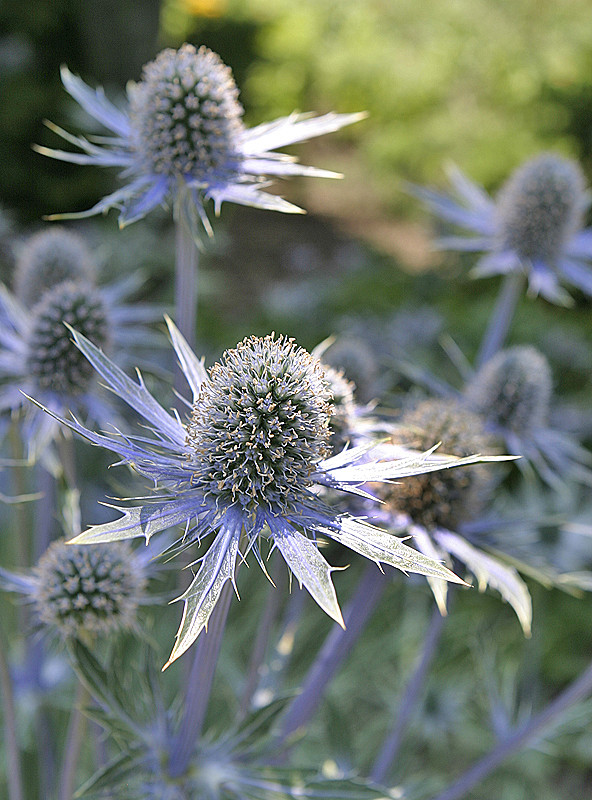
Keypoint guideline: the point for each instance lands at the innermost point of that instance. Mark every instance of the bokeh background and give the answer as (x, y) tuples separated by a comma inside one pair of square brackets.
[(483, 84)]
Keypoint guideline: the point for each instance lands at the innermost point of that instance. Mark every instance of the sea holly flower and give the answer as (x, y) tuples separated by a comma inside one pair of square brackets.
[(245, 468), (51, 256), (513, 392), (534, 226), (37, 355), (435, 510), (181, 137), (77, 591)]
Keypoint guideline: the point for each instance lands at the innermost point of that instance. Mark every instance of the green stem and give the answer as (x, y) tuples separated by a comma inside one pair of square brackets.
[(13, 763)]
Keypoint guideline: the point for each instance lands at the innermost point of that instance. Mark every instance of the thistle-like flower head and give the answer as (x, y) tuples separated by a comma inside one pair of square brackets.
[(185, 116), (50, 257), (260, 424), (80, 590), (37, 355), (512, 390), (181, 138), (246, 467), (532, 228), (540, 208), (53, 362), (442, 513), (445, 499)]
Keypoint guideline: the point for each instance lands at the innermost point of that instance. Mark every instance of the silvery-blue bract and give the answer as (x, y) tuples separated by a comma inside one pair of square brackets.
[(533, 227), (182, 138), (248, 467)]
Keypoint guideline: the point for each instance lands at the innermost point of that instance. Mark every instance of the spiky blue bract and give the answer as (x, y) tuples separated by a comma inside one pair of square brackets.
[(534, 226), (272, 397), (182, 138)]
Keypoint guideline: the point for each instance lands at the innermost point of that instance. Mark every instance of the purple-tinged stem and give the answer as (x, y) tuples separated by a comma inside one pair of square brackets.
[(575, 692), (264, 629), (186, 273), (13, 762), (336, 647), (45, 516), (392, 743), (199, 684), (73, 744), (501, 319)]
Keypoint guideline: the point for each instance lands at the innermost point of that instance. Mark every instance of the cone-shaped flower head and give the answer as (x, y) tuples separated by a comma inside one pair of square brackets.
[(445, 499), (442, 513), (90, 590), (260, 425), (48, 258), (185, 116), (540, 208), (533, 227), (247, 467), (512, 391), (182, 138), (55, 281), (53, 361)]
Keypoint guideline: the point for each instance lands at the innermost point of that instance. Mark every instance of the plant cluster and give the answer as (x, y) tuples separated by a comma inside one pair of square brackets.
[(441, 478)]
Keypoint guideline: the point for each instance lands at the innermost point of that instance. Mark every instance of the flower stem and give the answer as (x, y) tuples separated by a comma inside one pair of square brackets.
[(336, 647), (73, 744), (199, 685), (264, 629), (13, 763), (407, 705), (575, 692), (503, 313), (45, 518), (186, 271)]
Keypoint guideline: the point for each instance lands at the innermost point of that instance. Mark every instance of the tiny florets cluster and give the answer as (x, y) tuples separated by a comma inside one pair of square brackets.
[(540, 208), (185, 115), (260, 424), (88, 588), (512, 391), (53, 361), (443, 499), (48, 258)]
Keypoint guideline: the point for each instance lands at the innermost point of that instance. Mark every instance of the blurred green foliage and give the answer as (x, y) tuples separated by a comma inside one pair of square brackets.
[(482, 84)]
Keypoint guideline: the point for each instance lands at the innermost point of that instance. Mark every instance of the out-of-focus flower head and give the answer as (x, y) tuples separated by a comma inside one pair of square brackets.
[(434, 511), (78, 591), (534, 227), (153, 760), (181, 137), (37, 355), (49, 257), (246, 468), (512, 392)]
